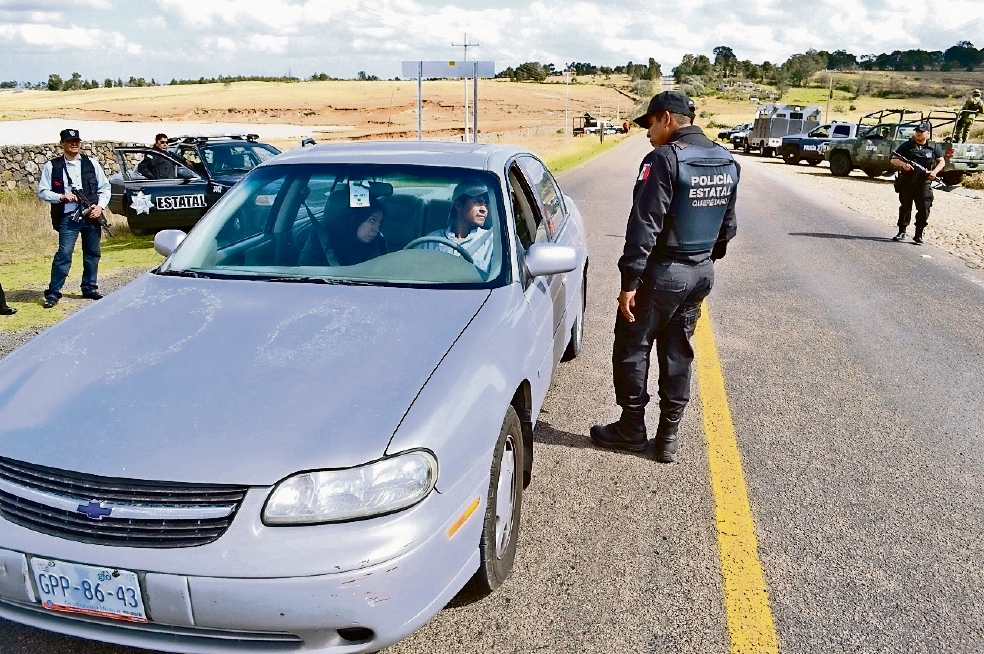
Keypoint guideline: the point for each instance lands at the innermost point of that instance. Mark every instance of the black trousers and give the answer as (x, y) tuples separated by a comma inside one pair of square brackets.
[(922, 194), (666, 310)]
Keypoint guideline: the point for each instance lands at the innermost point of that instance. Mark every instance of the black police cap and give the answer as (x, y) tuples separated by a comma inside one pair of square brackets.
[(672, 101), (924, 127), (70, 135)]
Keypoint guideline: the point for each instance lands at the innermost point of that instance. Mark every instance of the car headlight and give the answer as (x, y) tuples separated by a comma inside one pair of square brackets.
[(385, 486)]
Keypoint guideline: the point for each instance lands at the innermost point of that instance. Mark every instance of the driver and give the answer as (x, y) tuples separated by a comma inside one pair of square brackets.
[(466, 225)]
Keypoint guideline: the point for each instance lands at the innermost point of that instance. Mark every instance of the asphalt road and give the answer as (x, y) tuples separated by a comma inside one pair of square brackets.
[(854, 369)]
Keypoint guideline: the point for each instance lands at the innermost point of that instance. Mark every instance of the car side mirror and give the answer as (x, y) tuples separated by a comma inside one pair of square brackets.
[(167, 241), (550, 259)]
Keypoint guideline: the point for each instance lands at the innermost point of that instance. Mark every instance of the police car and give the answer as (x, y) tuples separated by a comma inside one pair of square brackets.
[(811, 146), (160, 190)]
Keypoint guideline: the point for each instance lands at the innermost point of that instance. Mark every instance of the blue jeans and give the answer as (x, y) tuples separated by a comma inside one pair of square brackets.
[(68, 234)]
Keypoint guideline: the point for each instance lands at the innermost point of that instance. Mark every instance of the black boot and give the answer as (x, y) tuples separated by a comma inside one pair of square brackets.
[(4, 309), (917, 239), (900, 236), (629, 433), (666, 440)]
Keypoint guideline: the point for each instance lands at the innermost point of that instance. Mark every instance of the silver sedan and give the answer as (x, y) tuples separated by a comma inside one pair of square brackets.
[(311, 426)]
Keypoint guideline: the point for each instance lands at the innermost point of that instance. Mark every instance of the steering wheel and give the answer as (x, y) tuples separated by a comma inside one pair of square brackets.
[(444, 241)]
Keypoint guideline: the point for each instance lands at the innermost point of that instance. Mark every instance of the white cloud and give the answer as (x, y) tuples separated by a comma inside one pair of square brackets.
[(266, 43)]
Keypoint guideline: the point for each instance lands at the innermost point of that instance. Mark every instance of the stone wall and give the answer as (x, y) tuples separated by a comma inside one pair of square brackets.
[(20, 165)]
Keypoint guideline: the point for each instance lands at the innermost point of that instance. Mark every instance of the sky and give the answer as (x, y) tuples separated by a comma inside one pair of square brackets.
[(165, 39)]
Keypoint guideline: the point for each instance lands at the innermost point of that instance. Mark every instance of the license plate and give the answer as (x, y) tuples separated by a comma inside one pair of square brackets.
[(90, 590)]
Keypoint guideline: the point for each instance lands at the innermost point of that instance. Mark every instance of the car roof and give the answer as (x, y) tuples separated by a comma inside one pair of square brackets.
[(479, 156)]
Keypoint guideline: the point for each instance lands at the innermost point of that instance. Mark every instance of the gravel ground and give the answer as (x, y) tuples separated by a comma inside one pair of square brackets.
[(10, 340), (956, 223)]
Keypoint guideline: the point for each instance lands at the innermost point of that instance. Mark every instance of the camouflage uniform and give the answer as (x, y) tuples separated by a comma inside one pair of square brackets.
[(973, 107)]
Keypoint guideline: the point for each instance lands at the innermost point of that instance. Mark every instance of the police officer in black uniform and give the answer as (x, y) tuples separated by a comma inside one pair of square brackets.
[(683, 215), (914, 185)]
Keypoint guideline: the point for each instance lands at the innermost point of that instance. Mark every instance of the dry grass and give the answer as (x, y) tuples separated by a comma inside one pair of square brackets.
[(25, 227), (975, 181)]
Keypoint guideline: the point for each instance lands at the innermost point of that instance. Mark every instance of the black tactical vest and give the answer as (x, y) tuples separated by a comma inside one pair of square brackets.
[(90, 185), (706, 180)]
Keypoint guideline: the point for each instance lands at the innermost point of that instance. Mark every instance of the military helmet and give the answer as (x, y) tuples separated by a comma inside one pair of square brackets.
[(976, 93)]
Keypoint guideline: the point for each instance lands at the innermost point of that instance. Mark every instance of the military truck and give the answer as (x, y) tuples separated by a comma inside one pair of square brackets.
[(882, 132), (812, 146), (774, 121)]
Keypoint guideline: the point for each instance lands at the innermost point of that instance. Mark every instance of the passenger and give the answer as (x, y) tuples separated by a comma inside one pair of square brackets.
[(155, 166), (352, 239), (466, 225)]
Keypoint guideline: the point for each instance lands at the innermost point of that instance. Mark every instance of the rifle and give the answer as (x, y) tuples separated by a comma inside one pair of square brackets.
[(937, 183), (85, 208)]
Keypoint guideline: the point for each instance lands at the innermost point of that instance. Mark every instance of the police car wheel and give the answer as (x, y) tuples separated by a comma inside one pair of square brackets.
[(576, 343), (500, 531), (791, 156)]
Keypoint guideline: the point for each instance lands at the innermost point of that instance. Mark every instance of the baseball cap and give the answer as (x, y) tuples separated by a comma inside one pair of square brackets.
[(924, 127), (672, 101), (70, 135), (472, 188)]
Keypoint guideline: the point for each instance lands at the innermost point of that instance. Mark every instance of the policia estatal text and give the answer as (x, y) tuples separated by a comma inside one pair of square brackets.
[(683, 215), (914, 185)]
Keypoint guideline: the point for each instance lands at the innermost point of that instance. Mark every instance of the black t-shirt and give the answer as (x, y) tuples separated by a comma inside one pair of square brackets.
[(924, 155)]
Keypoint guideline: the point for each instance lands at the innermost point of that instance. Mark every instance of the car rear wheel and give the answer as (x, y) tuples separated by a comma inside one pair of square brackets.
[(768, 152), (500, 531), (840, 164), (952, 177), (791, 156), (747, 148), (577, 331)]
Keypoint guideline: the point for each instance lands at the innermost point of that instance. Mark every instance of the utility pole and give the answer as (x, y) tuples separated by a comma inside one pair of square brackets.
[(830, 93), (466, 45), (567, 98)]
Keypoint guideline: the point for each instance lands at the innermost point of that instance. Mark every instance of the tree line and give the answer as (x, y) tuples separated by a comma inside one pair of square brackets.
[(534, 71), (697, 72)]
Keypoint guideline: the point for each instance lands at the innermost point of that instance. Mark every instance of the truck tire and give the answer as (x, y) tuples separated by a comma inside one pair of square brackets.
[(768, 152), (872, 172), (840, 164), (791, 155), (814, 162), (952, 177), (747, 148)]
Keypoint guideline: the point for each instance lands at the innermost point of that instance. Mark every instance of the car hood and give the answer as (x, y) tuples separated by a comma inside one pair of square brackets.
[(225, 381)]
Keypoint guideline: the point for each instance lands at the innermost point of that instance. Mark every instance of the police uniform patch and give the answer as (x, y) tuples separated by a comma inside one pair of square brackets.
[(644, 173)]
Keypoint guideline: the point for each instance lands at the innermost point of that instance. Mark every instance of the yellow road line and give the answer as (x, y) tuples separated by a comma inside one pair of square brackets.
[(746, 597)]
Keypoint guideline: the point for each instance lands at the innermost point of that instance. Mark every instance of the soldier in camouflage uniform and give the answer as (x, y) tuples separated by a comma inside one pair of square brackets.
[(971, 109)]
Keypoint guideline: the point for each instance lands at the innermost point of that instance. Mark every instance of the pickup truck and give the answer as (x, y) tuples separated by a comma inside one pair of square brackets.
[(725, 134), (812, 145), (882, 132), (774, 121)]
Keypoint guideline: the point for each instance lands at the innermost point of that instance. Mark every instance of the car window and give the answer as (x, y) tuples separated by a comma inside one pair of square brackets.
[(821, 132), (525, 209), (842, 130), (376, 224), (548, 193), (189, 155), (234, 156)]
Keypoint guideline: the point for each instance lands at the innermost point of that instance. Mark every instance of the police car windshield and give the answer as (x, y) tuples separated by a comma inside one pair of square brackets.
[(235, 156), (378, 224)]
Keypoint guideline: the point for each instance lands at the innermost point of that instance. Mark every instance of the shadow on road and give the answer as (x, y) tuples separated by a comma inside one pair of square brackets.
[(845, 237), (545, 434)]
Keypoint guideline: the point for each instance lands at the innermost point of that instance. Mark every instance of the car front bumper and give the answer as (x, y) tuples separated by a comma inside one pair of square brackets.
[(201, 613)]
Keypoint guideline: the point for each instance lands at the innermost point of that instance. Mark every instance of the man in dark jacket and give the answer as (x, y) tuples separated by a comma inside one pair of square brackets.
[(683, 215), (915, 185), (154, 166)]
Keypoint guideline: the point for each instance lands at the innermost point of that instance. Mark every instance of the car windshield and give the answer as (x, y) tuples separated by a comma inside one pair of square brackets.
[(235, 156), (340, 223)]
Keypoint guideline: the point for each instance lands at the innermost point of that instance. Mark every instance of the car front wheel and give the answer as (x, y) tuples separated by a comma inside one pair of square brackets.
[(791, 156), (840, 164), (503, 508), (577, 331)]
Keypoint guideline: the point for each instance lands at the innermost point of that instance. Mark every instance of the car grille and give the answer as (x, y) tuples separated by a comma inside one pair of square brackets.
[(109, 530)]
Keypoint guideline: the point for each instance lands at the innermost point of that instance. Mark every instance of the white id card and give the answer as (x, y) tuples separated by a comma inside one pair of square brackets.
[(358, 194)]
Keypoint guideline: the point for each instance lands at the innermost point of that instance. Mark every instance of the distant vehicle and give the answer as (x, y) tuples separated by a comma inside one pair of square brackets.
[(774, 121), (961, 158), (725, 135), (605, 125), (812, 146), (738, 138), (204, 168)]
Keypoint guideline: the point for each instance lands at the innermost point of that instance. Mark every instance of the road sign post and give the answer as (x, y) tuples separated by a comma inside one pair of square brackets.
[(448, 70)]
